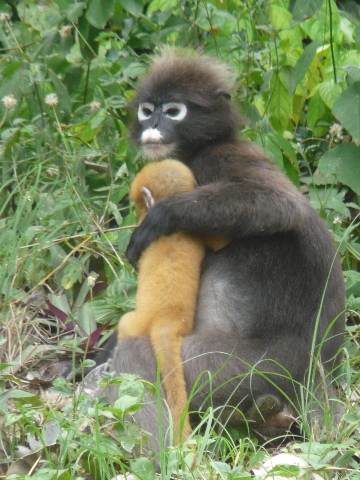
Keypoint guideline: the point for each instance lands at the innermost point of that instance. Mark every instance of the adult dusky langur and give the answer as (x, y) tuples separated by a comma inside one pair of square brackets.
[(271, 302)]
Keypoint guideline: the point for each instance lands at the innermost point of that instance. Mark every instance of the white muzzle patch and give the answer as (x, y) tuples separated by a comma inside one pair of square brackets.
[(151, 135)]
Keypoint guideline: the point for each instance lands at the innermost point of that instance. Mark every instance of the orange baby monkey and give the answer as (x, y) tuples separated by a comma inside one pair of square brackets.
[(168, 282)]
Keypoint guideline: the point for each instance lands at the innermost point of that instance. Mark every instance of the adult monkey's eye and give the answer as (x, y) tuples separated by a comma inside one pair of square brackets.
[(175, 111), (145, 111)]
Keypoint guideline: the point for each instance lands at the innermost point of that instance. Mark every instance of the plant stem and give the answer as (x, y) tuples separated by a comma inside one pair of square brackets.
[(331, 42)]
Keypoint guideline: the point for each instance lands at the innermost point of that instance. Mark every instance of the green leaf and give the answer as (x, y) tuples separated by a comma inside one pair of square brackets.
[(162, 5), (353, 72), (305, 59), (127, 404), (343, 163), (316, 110), (75, 11), (5, 8), (135, 7), (114, 210), (347, 110), (143, 468), (99, 12), (64, 98), (280, 17), (20, 396), (286, 147), (284, 471), (329, 92), (337, 204), (273, 149), (280, 105), (305, 8), (290, 78)]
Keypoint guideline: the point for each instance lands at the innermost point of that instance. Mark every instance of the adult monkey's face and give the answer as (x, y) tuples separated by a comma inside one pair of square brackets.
[(159, 122), (182, 105)]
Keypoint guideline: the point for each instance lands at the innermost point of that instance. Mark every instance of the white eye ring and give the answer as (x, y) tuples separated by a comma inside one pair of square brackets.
[(175, 111), (145, 111)]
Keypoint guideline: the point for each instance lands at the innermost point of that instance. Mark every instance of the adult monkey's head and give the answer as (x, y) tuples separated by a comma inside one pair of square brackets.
[(182, 105)]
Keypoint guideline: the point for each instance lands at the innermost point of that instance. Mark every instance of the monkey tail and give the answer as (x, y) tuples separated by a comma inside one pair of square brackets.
[(168, 349)]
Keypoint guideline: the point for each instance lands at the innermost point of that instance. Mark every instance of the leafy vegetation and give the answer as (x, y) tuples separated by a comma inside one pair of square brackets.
[(67, 71)]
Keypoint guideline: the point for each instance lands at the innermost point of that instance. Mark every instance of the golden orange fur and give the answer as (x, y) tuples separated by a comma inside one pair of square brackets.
[(168, 282)]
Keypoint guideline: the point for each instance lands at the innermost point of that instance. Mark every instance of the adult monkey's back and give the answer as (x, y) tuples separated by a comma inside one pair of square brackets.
[(275, 286)]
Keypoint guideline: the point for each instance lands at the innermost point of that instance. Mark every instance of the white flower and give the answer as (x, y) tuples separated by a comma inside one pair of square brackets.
[(52, 172), (336, 131), (65, 31), (91, 281), (52, 99), (95, 106), (9, 101), (337, 219), (4, 17)]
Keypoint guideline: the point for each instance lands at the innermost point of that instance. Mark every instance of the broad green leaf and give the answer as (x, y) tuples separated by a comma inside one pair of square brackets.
[(143, 468), (343, 163), (161, 5), (127, 404), (286, 147), (305, 8), (134, 70), (33, 14), (290, 78), (220, 21), (347, 110), (321, 26), (353, 72), (20, 396), (280, 105), (135, 7), (99, 12), (305, 60), (226, 22), (280, 17), (75, 11), (316, 109), (337, 204), (5, 8), (273, 149), (329, 92)]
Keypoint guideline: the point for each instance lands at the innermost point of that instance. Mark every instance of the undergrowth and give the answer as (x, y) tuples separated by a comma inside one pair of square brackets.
[(67, 71)]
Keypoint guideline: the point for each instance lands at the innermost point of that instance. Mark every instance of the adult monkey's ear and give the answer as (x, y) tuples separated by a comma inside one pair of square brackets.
[(220, 92)]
